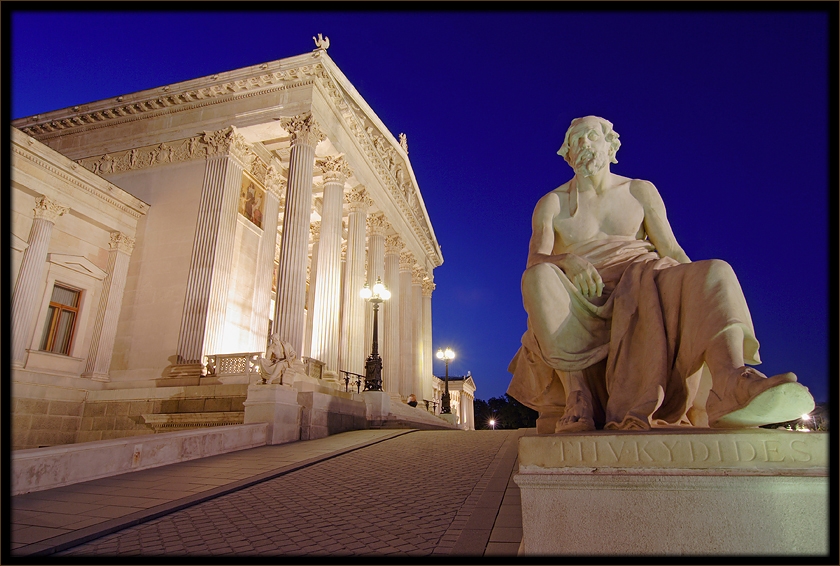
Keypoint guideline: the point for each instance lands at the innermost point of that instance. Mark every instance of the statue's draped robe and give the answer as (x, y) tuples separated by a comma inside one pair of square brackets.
[(641, 344)]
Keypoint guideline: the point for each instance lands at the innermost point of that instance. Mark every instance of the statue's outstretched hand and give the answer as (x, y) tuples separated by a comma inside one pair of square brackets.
[(583, 275)]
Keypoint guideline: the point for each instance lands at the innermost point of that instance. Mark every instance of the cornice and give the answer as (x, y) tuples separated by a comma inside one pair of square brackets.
[(91, 188)]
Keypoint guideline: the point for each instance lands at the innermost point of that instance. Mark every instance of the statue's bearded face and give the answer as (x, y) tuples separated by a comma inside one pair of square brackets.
[(588, 149)]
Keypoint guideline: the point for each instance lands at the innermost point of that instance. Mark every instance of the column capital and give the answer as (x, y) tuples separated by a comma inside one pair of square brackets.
[(275, 183), (393, 244), (418, 274), (377, 225), (230, 142), (428, 287), (121, 242), (48, 209), (304, 129), (358, 199), (335, 168), (406, 261), (315, 230)]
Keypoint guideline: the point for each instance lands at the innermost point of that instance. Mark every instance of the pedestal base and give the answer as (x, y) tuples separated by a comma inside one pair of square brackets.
[(276, 405), (746, 492), (451, 418)]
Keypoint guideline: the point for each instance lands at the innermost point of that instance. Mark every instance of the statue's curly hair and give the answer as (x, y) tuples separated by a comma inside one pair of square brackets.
[(606, 128)]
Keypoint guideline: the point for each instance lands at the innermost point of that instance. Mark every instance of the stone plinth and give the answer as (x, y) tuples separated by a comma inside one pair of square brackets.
[(45, 468), (698, 492), (377, 406), (276, 405), (324, 414)]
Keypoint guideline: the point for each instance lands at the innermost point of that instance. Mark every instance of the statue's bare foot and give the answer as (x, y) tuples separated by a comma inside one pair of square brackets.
[(578, 415), (752, 399)]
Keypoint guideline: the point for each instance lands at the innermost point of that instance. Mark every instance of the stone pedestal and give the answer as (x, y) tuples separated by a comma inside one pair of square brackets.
[(451, 418), (377, 406), (704, 492), (276, 405)]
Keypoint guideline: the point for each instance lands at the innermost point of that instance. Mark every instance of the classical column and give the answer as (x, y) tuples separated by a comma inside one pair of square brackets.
[(353, 347), (325, 314), (427, 287), (406, 342), (260, 312), (25, 297), (203, 318), (312, 275), (417, 276), (108, 314), (391, 317), (377, 226), (291, 277)]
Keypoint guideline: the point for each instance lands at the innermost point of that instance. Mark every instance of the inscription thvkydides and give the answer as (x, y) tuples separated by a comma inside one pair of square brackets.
[(765, 449)]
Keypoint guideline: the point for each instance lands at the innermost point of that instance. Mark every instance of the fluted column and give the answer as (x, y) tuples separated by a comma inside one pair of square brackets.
[(417, 276), (312, 272), (376, 227), (406, 342), (353, 345), (427, 287), (260, 312), (391, 317), (108, 314), (203, 318), (291, 277), (325, 324), (25, 297)]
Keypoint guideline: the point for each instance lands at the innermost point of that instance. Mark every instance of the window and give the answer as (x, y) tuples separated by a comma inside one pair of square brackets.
[(61, 320)]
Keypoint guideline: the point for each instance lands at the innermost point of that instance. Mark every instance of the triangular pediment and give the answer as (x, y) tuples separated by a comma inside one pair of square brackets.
[(77, 263)]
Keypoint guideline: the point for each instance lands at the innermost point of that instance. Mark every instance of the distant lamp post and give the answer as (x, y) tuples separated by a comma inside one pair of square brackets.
[(806, 417), (447, 356), (373, 365), (492, 424)]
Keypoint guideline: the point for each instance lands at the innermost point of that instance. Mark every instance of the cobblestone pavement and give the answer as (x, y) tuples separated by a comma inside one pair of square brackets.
[(423, 493)]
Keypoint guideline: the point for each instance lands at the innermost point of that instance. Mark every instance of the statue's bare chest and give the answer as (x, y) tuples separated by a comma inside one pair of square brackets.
[(613, 213)]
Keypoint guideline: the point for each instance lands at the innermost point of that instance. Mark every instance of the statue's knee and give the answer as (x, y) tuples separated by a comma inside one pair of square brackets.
[(539, 272), (719, 269)]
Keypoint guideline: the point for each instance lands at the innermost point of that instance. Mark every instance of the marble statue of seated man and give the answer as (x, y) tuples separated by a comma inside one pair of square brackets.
[(278, 359), (624, 331)]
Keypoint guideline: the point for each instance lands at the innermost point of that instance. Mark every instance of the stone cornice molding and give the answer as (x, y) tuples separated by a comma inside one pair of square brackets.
[(335, 168), (315, 231), (39, 155), (275, 183), (49, 210), (121, 243), (304, 129), (428, 287), (196, 93), (418, 274), (377, 225), (357, 199), (393, 244), (406, 261)]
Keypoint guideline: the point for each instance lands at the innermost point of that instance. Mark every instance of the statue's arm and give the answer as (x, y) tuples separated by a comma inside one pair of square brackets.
[(542, 231), (579, 271), (656, 223)]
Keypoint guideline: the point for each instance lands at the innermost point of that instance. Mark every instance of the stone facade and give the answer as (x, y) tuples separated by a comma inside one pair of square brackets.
[(461, 399), (178, 220)]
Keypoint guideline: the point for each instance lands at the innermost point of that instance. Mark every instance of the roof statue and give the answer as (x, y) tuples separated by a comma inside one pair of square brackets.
[(321, 42), (404, 143)]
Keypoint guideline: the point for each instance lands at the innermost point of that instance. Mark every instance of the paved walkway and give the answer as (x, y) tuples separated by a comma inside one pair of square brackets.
[(371, 492)]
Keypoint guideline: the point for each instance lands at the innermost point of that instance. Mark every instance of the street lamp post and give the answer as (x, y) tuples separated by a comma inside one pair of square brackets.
[(447, 356), (373, 365)]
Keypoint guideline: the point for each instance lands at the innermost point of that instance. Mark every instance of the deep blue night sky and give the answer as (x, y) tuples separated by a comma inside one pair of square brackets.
[(725, 112)]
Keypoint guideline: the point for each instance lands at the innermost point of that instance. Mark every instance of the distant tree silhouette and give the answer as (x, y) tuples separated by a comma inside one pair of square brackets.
[(507, 411)]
